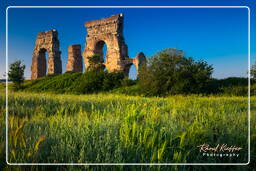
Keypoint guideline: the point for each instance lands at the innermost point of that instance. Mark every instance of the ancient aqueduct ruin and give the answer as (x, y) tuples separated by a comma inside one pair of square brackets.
[(107, 31)]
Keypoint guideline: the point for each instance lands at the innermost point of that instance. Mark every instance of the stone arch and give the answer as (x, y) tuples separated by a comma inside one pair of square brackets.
[(128, 68), (110, 31), (139, 60), (46, 41)]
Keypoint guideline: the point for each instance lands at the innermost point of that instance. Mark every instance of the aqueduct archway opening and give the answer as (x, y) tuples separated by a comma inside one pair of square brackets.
[(131, 71), (101, 50), (43, 58)]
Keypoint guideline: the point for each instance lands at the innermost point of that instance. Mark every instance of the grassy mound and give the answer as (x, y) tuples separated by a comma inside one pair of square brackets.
[(76, 83), (53, 83)]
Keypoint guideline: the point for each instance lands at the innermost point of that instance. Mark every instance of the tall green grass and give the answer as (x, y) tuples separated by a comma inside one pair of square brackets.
[(112, 128), (108, 128)]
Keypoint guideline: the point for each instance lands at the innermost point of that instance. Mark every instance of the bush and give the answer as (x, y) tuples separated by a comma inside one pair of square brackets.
[(233, 86), (233, 81), (126, 82), (112, 80), (169, 72), (239, 90), (89, 82), (235, 90), (96, 81)]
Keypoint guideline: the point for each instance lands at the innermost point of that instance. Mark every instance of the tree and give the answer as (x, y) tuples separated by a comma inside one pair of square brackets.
[(169, 72), (16, 73), (95, 63)]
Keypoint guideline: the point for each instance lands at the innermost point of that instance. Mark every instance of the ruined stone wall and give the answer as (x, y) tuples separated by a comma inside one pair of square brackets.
[(138, 61), (75, 63), (46, 42), (107, 31)]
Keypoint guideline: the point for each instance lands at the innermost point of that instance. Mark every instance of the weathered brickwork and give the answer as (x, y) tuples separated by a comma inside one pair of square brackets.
[(109, 31), (75, 63), (46, 42)]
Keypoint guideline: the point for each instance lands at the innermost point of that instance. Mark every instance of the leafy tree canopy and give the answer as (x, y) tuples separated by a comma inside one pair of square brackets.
[(169, 72), (16, 73)]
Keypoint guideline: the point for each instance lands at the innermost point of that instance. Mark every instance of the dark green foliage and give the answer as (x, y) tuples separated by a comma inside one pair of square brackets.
[(16, 73), (169, 72), (133, 90), (77, 83), (231, 86), (239, 90), (234, 81), (97, 81), (126, 82), (89, 82), (95, 63), (166, 73), (235, 91), (112, 80), (53, 83)]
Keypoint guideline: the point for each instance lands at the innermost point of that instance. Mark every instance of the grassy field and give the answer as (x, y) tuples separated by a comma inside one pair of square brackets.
[(110, 128)]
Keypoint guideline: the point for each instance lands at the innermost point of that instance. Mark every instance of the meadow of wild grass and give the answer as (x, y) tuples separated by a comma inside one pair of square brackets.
[(111, 128)]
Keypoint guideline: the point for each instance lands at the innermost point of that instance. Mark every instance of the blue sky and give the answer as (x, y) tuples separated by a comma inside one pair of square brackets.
[(218, 36)]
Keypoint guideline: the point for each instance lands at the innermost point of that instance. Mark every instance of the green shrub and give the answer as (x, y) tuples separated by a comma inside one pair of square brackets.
[(168, 73), (126, 82), (235, 90), (112, 80), (89, 82), (234, 81)]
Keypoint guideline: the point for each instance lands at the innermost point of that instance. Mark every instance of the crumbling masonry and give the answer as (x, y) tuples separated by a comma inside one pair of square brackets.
[(75, 63), (107, 31), (46, 42)]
